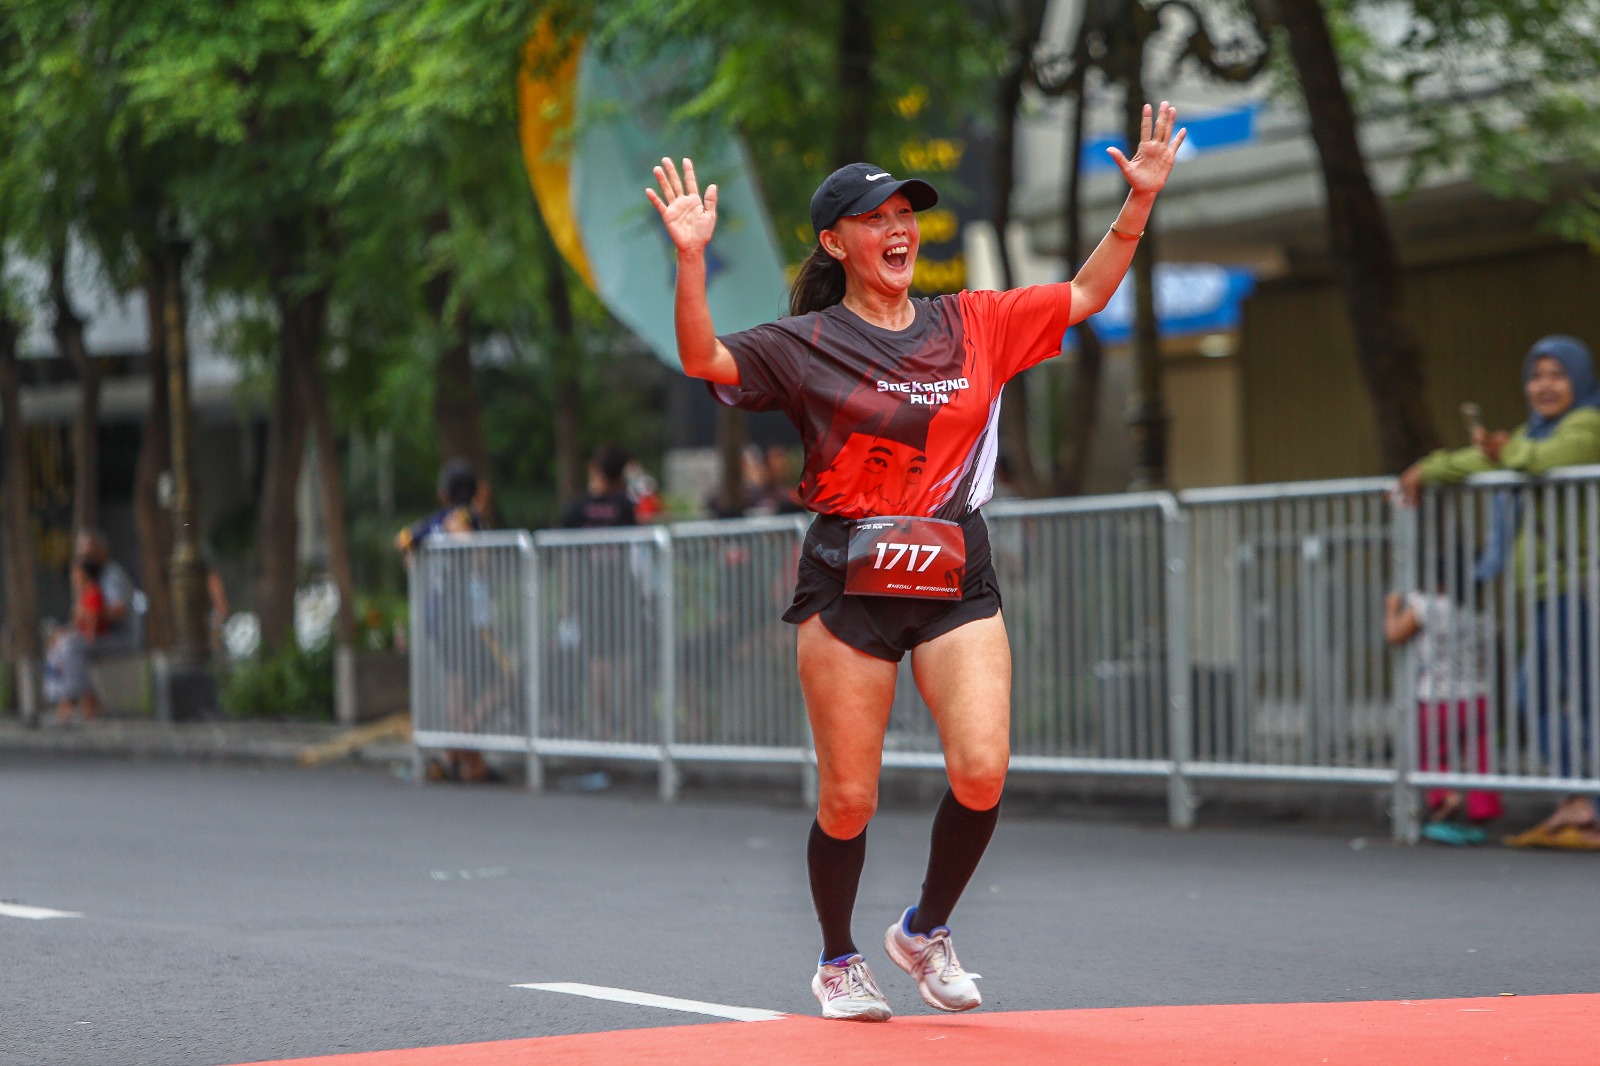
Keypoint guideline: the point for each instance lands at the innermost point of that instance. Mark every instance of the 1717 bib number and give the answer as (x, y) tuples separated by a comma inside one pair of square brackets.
[(900, 555)]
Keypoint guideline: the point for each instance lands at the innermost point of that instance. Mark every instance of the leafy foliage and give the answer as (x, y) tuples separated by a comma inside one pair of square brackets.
[(772, 72), (291, 683)]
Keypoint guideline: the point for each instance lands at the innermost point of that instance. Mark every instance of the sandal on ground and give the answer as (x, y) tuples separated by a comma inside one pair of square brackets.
[(1561, 838), (1454, 834), (1575, 838), (1537, 837)]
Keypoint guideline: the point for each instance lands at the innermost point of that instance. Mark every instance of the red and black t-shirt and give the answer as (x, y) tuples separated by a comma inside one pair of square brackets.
[(898, 422)]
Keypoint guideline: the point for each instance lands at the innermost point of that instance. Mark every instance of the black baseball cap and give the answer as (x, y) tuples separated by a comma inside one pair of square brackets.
[(859, 187)]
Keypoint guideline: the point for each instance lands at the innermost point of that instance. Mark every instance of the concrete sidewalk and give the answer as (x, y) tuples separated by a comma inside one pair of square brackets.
[(255, 741)]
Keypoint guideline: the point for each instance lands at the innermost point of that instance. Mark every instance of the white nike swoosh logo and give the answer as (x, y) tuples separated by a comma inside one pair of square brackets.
[(875, 177)]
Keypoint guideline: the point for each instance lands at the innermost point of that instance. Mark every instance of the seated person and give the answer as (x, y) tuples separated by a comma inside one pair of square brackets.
[(67, 681)]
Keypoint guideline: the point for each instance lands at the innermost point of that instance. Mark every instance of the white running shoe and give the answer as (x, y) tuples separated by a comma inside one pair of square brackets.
[(931, 959), (847, 991)]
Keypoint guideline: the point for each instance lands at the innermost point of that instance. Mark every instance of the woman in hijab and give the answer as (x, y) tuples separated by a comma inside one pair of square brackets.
[(1563, 429)]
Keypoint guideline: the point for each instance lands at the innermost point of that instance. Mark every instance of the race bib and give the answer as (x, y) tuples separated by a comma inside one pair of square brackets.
[(897, 555)]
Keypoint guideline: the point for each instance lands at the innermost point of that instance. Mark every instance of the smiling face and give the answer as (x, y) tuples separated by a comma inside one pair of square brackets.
[(1549, 389), (878, 247)]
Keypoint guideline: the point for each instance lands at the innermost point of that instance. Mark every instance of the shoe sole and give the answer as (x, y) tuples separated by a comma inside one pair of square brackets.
[(900, 959), (869, 1014)]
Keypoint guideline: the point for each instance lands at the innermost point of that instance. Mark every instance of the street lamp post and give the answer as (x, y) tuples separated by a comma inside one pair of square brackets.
[(188, 691)]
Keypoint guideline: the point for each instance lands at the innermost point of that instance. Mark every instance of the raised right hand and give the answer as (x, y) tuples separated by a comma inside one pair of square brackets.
[(689, 218)]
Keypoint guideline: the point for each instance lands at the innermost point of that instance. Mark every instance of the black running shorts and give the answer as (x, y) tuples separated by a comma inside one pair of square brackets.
[(886, 627)]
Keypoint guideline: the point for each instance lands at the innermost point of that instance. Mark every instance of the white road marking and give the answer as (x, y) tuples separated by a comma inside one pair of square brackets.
[(647, 999), (18, 910)]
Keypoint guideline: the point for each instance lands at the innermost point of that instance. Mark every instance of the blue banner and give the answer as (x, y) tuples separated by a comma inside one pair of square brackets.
[(1208, 133), (1190, 298)]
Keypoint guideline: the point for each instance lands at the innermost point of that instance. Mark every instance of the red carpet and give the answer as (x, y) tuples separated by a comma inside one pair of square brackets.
[(1530, 1030)]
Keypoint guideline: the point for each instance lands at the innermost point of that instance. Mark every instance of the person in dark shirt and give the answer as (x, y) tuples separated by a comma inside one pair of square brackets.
[(607, 502), (896, 400), (611, 672)]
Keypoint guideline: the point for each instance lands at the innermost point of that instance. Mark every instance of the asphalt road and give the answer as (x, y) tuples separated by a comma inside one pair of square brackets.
[(233, 914)]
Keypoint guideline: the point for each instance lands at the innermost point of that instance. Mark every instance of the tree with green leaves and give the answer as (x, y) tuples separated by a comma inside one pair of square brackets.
[(1506, 89), (241, 88), (19, 640), (1366, 261), (65, 154), (1388, 351), (424, 135)]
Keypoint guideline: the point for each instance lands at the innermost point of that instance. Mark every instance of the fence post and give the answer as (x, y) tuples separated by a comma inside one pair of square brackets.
[(415, 605), (667, 650), (533, 657), (1180, 798), (1404, 532)]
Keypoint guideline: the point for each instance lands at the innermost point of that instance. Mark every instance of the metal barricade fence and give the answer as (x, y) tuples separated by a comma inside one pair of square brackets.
[(1291, 675), (1499, 685), (1221, 634), (738, 697), (603, 615), (1086, 592), (1086, 585), (472, 652)]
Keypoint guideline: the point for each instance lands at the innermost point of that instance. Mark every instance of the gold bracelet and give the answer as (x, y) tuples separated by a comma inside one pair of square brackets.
[(1124, 234)]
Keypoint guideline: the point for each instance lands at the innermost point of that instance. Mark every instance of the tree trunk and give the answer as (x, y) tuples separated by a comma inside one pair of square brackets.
[(277, 529), (68, 330), (1016, 442), (457, 408), (853, 119), (155, 458), (1147, 410), (190, 603), (566, 377), (730, 462), (1083, 402), (1387, 348), (304, 320), (22, 605)]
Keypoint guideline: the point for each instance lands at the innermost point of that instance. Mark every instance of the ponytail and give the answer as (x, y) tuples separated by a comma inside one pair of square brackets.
[(819, 285)]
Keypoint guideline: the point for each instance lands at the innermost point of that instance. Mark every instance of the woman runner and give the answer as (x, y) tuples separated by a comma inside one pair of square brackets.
[(897, 402)]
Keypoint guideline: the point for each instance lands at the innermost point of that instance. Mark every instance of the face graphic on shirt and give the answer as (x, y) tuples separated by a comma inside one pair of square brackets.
[(874, 475)]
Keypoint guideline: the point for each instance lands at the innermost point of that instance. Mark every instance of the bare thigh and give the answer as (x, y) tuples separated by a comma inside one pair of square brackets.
[(965, 678), (848, 695)]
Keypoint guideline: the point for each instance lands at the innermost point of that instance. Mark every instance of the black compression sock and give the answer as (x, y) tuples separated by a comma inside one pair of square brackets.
[(835, 867), (960, 835)]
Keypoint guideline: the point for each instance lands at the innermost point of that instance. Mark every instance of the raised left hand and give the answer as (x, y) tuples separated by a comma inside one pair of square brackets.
[(1158, 146)]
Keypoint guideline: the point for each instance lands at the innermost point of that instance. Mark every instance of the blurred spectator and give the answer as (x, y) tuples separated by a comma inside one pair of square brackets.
[(606, 503), (1563, 429), (1452, 694), (458, 492), (781, 493), (611, 670), (122, 630), (769, 485), (67, 680), (217, 595), (643, 491)]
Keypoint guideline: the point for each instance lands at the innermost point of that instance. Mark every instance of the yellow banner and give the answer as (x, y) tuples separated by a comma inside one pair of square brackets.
[(546, 92)]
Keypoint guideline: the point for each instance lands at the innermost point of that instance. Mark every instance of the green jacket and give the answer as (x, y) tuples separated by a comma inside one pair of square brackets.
[(1575, 442)]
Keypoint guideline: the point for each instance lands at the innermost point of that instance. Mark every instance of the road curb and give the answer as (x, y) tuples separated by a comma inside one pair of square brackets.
[(224, 741)]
